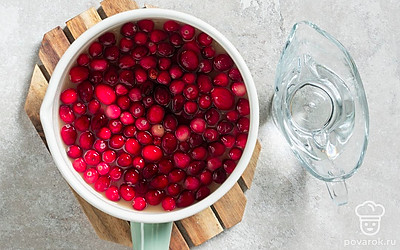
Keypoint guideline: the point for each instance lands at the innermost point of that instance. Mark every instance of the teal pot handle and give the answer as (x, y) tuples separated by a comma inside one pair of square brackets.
[(150, 236)]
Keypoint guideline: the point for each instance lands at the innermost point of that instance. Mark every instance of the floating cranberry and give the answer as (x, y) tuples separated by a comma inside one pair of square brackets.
[(139, 203), (151, 153), (131, 176), (146, 25), (168, 203), (112, 193), (189, 60), (91, 175), (222, 98), (127, 192), (128, 29), (115, 173), (95, 49), (202, 193), (171, 25), (105, 94), (185, 199), (66, 114), (69, 96), (74, 151), (102, 183), (223, 62), (79, 165), (187, 31)]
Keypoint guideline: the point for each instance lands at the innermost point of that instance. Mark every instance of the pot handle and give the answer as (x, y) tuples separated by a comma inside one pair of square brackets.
[(149, 236)]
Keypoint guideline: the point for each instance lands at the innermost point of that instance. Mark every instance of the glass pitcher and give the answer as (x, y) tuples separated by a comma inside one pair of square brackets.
[(320, 107)]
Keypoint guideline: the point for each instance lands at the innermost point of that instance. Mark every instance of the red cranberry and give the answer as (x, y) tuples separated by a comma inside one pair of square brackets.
[(83, 60), (205, 66), (222, 98), (128, 29), (214, 163), (206, 177), (219, 176), (149, 171), (69, 96), (139, 52), (91, 175), (103, 168), (126, 62), (184, 146), (86, 140), (95, 49), (234, 74), (202, 193), (191, 92), (195, 140), (146, 25), (155, 114), (91, 157), (229, 166), (148, 62), (124, 160), (140, 38), (66, 114), (154, 197), (111, 53), (98, 64), (127, 118), (195, 167), (165, 166), (185, 199), (107, 39), (182, 133), (174, 189), (112, 193), (204, 83), (102, 183), (191, 183), (95, 77), (177, 87), (142, 124), (216, 149), (164, 78), (187, 31), (199, 153), (137, 109), (165, 49), (208, 52), (169, 143), (162, 96), (127, 192), (98, 121), (190, 107), (132, 146), (126, 44), (177, 103), (126, 77), (79, 108), (139, 203), (144, 137), (235, 153), (159, 182), (132, 176), (224, 127), (198, 125), (171, 25), (210, 134), (94, 106), (193, 46), (175, 71), (121, 89), (232, 116), (113, 111), (223, 62), (105, 94), (181, 159), (238, 88), (189, 60), (176, 175), (115, 173), (243, 124), (152, 153), (212, 117), (168, 203), (74, 151), (138, 162), (205, 101), (115, 126), (204, 39), (124, 102), (100, 146), (243, 107), (228, 140), (109, 156), (164, 63), (176, 40), (157, 36), (82, 123), (152, 47), (241, 140), (79, 165), (117, 141), (221, 79), (170, 123)]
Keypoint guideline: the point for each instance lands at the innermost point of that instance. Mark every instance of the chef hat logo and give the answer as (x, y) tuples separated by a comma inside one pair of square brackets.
[(370, 215)]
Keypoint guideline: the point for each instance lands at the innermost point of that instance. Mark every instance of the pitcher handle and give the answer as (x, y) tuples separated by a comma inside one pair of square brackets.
[(149, 236), (338, 191)]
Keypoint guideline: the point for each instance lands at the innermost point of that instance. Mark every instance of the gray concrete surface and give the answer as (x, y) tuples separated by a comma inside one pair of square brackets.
[(287, 208)]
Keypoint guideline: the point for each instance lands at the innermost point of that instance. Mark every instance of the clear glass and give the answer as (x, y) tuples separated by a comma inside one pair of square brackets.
[(320, 107)]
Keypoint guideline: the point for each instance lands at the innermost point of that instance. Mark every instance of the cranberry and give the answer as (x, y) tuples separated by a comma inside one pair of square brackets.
[(105, 94), (221, 80), (223, 62), (102, 183), (112, 193), (79, 165), (184, 146), (195, 167), (111, 53), (82, 123), (138, 162), (157, 36), (193, 46), (117, 141), (92, 157), (164, 78), (202, 193), (152, 47), (162, 96), (204, 83), (174, 189), (204, 39), (132, 146), (66, 114), (132, 176), (175, 71), (100, 146), (74, 151), (176, 40), (103, 168), (168, 203), (181, 159), (154, 197), (95, 77), (126, 62), (124, 160), (142, 124), (241, 140), (170, 123), (128, 29), (139, 203), (235, 153), (121, 89), (148, 62), (210, 134), (189, 60), (176, 87), (155, 114), (214, 163), (169, 143), (182, 133), (127, 118), (176, 175), (126, 77), (164, 63), (124, 102), (216, 149), (195, 140), (146, 25), (107, 39), (137, 109), (79, 108), (224, 127), (113, 111), (187, 31), (212, 117), (83, 60), (238, 88), (94, 106), (199, 153), (109, 156), (159, 182), (127, 192), (95, 49), (144, 137), (234, 74), (151, 153), (86, 140), (139, 52), (205, 101), (115, 173), (198, 125), (205, 66), (243, 124), (229, 166), (111, 76), (243, 107), (98, 121), (177, 103), (191, 92), (69, 96), (140, 38), (232, 115), (115, 126), (222, 98), (228, 140), (98, 64), (126, 44), (219, 176), (206, 177), (208, 52), (91, 175), (190, 107), (165, 166), (185, 199), (171, 25)]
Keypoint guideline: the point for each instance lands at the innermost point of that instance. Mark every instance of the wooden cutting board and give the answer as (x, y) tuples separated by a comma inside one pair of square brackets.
[(192, 231)]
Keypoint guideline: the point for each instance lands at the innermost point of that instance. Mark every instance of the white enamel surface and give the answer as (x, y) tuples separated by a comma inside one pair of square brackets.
[(49, 118)]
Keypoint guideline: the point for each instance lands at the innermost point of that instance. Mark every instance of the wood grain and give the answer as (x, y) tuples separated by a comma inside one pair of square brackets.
[(248, 174), (202, 226), (82, 22), (53, 46), (230, 207), (177, 241), (34, 99), (112, 7)]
